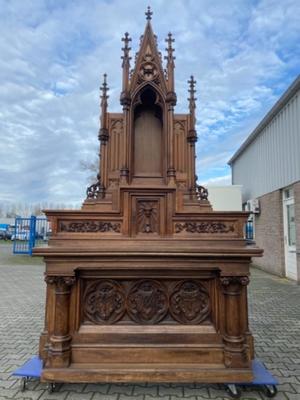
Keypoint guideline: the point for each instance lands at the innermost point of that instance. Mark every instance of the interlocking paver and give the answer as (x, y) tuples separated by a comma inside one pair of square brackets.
[(125, 397), (274, 305), (168, 390), (73, 387), (121, 389), (53, 396), (29, 394), (79, 396), (151, 390), (99, 396), (97, 388), (192, 391)]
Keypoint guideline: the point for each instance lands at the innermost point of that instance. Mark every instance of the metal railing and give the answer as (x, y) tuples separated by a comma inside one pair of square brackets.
[(29, 233), (249, 234)]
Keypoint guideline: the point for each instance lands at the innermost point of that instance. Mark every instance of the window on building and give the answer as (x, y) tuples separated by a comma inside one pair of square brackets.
[(291, 225), (288, 193)]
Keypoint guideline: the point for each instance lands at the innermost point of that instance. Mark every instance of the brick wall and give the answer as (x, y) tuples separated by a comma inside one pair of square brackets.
[(269, 233), (297, 218)]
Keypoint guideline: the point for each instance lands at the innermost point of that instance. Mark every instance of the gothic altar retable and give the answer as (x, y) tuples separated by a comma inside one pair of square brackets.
[(146, 282)]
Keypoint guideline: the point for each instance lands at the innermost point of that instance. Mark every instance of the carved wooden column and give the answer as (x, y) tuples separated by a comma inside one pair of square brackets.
[(60, 339), (171, 172), (125, 101), (171, 100), (124, 171), (191, 158), (192, 136), (103, 136), (234, 338), (103, 133)]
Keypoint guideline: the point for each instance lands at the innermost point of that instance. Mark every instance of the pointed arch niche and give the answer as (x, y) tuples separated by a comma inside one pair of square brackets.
[(148, 135)]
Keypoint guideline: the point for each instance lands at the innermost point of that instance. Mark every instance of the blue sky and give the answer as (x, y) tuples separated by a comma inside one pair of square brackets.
[(243, 54)]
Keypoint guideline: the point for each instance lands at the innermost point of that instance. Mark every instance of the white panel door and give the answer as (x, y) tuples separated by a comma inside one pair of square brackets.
[(289, 234)]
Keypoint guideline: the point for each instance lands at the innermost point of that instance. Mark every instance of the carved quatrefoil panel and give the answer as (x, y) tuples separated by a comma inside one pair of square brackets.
[(189, 303), (104, 302), (146, 301)]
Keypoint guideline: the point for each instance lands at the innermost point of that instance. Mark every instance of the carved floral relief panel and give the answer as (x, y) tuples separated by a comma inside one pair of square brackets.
[(88, 226), (146, 301), (207, 227)]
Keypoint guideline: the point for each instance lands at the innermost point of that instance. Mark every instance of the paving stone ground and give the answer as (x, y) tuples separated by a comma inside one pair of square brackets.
[(274, 316)]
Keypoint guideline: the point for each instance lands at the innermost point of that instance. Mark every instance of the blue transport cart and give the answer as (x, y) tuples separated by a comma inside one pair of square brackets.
[(263, 379)]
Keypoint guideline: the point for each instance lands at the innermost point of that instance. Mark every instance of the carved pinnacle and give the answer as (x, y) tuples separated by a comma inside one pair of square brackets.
[(148, 14), (126, 39), (192, 89), (170, 49), (104, 88), (192, 99)]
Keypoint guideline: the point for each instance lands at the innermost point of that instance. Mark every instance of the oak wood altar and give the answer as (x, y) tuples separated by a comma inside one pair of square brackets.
[(146, 282)]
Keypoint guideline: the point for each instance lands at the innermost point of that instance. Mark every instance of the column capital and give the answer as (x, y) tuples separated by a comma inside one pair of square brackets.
[(229, 280), (60, 281)]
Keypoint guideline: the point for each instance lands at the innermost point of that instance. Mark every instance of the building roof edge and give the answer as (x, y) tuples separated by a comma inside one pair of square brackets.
[(283, 100)]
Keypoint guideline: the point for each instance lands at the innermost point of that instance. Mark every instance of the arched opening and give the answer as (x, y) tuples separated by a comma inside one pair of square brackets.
[(148, 126)]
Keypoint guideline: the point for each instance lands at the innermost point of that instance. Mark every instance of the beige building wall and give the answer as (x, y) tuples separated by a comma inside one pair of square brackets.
[(269, 233)]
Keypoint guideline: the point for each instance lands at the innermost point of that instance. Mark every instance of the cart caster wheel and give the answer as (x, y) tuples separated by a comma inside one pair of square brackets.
[(51, 387), (270, 390), (234, 391), (23, 384)]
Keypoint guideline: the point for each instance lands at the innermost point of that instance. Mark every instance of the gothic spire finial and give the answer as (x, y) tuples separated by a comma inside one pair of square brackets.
[(104, 88), (192, 135), (126, 39), (170, 63), (148, 14), (170, 40), (192, 99), (170, 49)]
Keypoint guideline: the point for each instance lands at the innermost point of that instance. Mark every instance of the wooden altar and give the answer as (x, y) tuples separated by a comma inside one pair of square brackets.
[(146, 282)]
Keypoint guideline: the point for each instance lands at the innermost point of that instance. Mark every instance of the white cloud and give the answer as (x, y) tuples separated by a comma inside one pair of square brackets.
[(219, 181), (243, 55)]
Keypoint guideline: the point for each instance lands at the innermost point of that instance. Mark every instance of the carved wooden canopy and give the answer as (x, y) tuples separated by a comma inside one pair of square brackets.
[(147, 145)]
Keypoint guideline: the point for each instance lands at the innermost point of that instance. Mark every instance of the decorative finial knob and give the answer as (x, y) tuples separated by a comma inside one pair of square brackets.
[(104, 88), (148, 14), (192, 99), (126, 39), (170, 49), (170, 40), (192, 89)]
